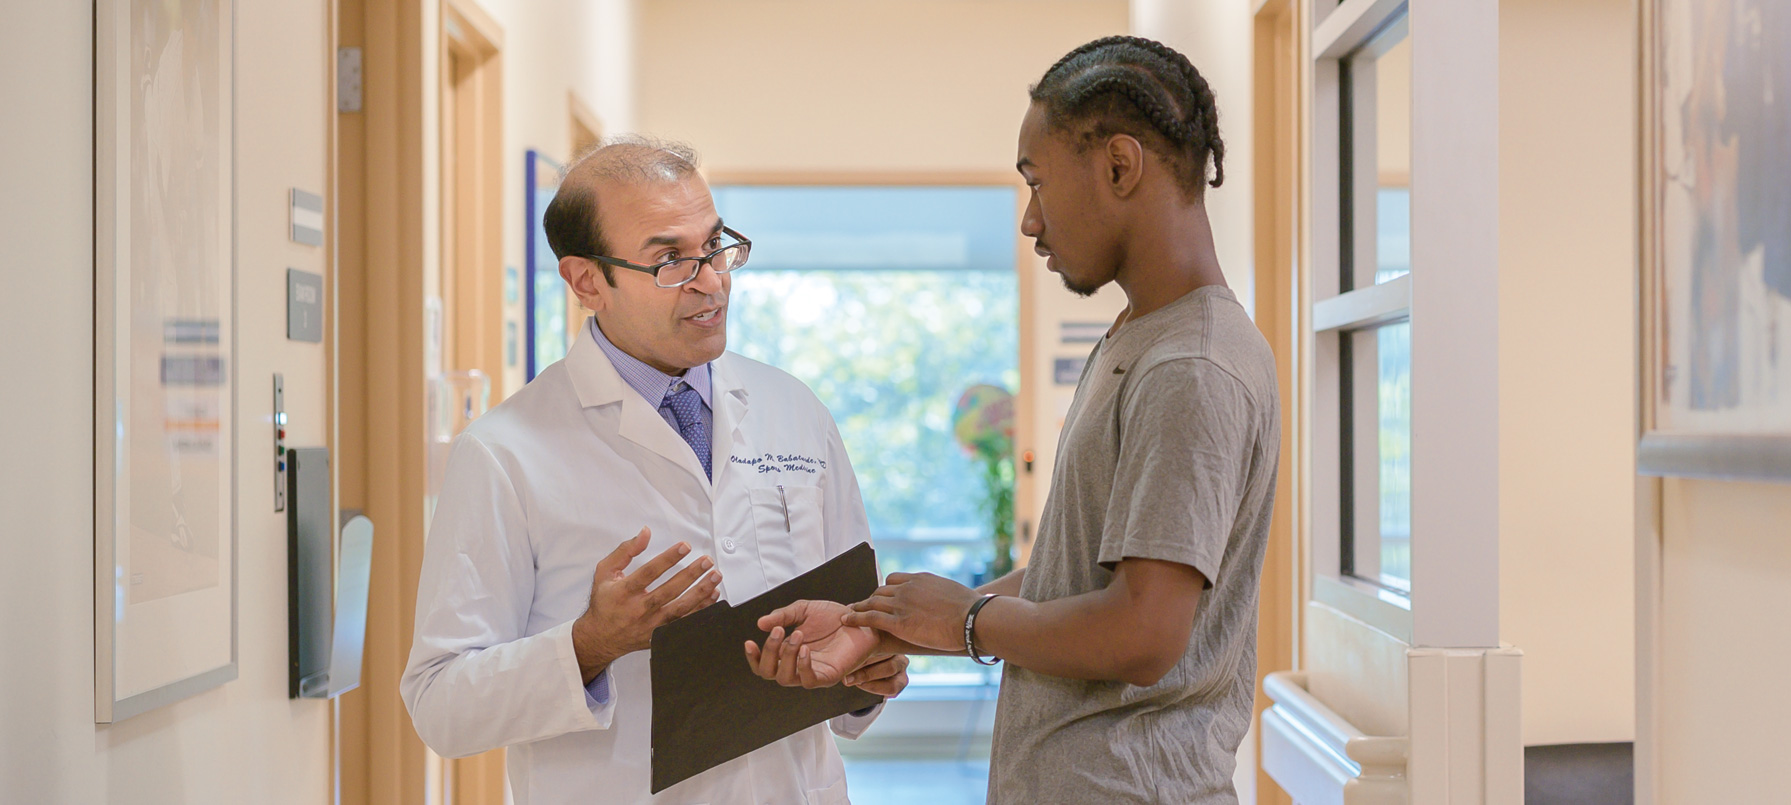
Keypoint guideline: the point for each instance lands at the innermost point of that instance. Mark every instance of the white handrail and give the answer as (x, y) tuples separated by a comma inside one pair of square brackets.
[(1321, 759)]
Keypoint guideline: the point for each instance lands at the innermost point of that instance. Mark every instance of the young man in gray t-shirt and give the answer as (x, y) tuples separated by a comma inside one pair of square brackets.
[(1130, 639)]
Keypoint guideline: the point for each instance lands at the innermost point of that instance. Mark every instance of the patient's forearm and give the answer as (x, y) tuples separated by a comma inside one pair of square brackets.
[(890, 645), (1080, 637), (1006, 585), (1132, 631)]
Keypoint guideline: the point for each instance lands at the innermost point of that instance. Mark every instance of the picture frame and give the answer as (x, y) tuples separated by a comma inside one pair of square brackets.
[(165, 379), (546, 314), (1716, 245)]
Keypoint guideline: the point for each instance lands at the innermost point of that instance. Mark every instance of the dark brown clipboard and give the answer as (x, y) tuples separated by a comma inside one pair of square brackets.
[(708, 705)]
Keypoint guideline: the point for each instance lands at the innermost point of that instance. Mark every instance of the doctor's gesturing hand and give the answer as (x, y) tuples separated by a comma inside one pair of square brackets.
[(623, 613)]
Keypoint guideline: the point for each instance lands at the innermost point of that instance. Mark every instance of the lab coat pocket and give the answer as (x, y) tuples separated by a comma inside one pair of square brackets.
[(787, 527)]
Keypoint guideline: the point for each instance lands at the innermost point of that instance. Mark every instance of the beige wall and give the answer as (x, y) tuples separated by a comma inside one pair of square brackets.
[(816, 85), (1725, 587), (1216, 37), (1393, 118), (1567, 365), (243, 742)]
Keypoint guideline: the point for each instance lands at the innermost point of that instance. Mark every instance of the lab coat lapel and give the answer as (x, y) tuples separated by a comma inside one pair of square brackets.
[(729, 398), (598, 383)]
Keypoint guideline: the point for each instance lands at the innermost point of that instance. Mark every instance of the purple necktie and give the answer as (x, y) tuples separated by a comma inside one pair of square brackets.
[(687, 407)]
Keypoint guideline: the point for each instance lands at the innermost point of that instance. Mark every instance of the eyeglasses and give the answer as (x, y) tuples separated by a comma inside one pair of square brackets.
[(680, 271)]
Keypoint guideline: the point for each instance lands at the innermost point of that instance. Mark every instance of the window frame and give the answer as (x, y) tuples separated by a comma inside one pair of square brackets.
[(1451, 304)]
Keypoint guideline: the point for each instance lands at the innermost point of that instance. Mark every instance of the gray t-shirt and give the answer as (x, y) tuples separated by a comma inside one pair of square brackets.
[(1169, 452)]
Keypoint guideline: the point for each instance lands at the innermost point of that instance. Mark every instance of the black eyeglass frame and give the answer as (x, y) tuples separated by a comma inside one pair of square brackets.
[(707, 259)]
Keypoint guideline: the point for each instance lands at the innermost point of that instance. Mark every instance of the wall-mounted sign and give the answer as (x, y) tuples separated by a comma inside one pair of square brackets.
[(307, 218), (1067, 371), (304, 306), (1081, 332)]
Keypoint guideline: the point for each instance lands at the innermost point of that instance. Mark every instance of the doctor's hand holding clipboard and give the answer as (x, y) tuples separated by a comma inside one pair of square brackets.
[(624, 612)]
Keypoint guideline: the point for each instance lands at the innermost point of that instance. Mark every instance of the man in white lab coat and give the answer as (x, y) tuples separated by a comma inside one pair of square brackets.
[(640, 479)]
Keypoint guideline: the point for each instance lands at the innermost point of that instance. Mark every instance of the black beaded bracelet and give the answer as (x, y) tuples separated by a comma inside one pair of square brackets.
[(970, 630)]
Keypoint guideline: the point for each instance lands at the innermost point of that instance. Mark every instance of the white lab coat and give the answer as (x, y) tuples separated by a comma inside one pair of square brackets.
[(543, 486)]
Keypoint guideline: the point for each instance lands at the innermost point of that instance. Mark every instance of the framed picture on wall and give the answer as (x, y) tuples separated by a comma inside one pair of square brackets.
[(1716, 139), (164, 358)]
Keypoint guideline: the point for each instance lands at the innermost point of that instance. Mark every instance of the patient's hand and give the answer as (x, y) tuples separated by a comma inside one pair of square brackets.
[(810, 646)]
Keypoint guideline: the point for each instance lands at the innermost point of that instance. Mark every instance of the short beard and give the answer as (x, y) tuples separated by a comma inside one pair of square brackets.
[(1083, 291)]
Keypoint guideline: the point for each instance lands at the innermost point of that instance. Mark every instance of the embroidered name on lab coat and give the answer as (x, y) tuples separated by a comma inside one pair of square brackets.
[(781, 463)]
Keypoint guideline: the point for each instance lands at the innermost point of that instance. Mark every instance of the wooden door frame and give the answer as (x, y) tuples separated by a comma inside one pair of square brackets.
[(1276, 126), (472, 171), (585, 128), (1650, 528), (332, 322), (388, 237), (382, 230)]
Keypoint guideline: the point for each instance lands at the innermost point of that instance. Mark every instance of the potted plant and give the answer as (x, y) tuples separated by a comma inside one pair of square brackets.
[(983, 423)]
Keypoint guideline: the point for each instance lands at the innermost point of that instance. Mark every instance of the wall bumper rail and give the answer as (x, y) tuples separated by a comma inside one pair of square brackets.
[(1318, 758)]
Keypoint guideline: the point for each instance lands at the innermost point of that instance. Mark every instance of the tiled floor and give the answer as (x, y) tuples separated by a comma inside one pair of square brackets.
[(906, 782)]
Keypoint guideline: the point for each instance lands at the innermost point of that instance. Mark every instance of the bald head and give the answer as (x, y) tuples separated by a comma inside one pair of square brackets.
[(573, 226), (632, 158)]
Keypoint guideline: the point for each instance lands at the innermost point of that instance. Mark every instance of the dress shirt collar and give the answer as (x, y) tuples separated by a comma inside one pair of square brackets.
[(649, 382)]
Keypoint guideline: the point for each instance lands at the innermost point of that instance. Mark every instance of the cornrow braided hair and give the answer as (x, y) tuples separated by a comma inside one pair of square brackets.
[(1144, 88)]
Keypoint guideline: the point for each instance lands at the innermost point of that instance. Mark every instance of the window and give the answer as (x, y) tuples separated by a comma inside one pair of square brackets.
[(1376, 81), (1403, 283), (1377, 476), (1377, 393), (1363, 310), (889, 302)]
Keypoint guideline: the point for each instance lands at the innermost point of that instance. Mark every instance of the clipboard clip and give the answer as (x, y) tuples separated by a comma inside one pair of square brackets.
[(783, 499)]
